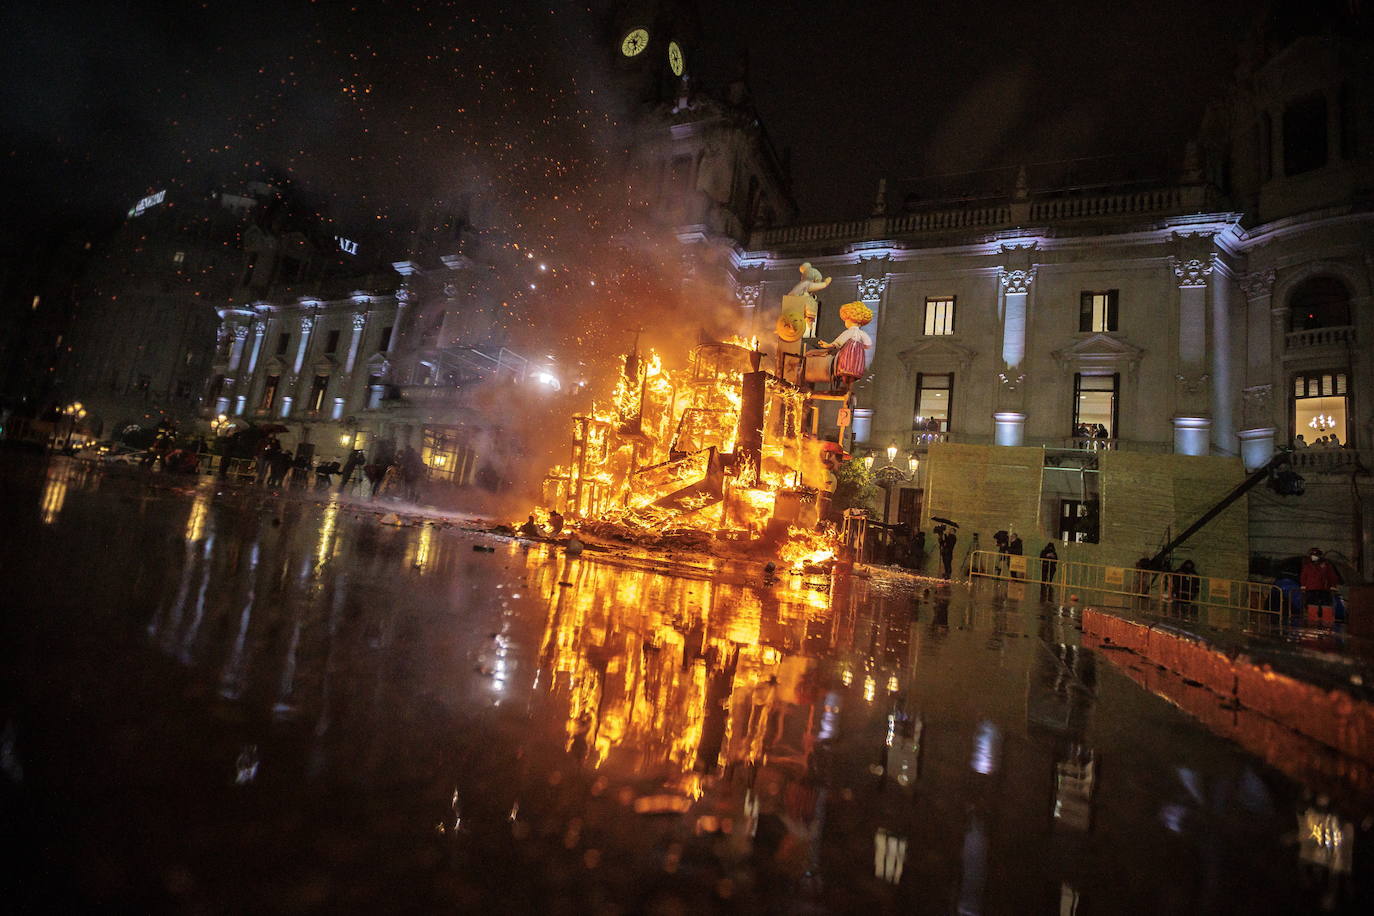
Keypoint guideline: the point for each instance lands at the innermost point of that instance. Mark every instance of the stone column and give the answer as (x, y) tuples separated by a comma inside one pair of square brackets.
[(1263, 354), (404, 297), (355, 383), (1220, 354), (874, 274), (236, 348), (261, 333), (302, 380), (1010, 427), (1192, 421), (1009, 417), (1016, 286)]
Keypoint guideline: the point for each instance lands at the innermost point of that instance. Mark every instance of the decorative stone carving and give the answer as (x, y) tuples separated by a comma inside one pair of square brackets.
[(1257, 406), (307, 324), (1017, 282), (872, 289), (1193, 384), (359, 321), (450, 290), (749, 294), (1192, 273), (221, 334), (935, 355), (405, 295), (1011, 379), (241, 332), (1259, 284), (1100, 351)]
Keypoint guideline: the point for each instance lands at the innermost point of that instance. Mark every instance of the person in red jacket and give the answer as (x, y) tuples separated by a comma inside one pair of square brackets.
[(1318, 578)]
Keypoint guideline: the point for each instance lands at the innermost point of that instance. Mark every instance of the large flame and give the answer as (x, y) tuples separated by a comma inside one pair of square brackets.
[(718, 447)]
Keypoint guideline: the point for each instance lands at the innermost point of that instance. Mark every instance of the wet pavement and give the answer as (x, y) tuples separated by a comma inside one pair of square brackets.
[(220, 700)]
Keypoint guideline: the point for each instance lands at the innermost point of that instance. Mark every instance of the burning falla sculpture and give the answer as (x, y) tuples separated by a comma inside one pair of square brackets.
[(719, 448)]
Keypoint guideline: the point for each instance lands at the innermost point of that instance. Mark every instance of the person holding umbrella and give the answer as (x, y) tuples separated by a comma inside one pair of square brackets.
[(946, 539)]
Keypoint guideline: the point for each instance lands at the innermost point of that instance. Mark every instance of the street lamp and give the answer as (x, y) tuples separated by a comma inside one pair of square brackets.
[(890, 475), (74, 411)]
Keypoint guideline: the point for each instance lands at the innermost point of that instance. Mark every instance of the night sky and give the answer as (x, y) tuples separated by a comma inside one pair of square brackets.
[(376, 105)]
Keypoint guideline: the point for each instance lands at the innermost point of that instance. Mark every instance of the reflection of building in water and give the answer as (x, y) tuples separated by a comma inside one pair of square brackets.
[(670, 674), (1074, 778), (1059, 700)]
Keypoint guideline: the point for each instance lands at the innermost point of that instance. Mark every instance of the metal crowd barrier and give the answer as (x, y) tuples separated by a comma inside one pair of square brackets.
[(1236, 600)]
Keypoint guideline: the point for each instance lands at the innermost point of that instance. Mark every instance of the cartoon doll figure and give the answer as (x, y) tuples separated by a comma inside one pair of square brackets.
[(798, 317), (851, 362)]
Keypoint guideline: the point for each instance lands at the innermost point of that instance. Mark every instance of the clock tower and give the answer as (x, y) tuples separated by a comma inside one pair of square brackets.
[(699, 159)]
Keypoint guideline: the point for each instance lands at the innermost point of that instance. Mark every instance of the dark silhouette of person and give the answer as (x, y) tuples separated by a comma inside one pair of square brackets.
[(1049, 565), (947, 540)]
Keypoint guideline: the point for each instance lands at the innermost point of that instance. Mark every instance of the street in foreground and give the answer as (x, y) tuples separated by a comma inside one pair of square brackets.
[(220, 700)]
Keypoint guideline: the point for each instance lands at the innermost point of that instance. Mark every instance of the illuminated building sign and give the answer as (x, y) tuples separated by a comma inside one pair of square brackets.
[(347, 246), (152, 200)]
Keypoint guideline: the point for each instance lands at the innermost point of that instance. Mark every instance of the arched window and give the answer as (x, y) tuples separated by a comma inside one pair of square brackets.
[(1319, 302)]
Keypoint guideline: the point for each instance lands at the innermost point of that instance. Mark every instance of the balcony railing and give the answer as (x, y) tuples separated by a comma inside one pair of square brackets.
[(1340, 336), (921, 440), (1317, 460), (1050, 206)]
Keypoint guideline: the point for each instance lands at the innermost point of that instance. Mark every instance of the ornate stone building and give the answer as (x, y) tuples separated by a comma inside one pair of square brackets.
[(1214, 311)]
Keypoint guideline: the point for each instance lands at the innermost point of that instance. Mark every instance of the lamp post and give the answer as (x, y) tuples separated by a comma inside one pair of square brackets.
[(74, 412), (889, 475)]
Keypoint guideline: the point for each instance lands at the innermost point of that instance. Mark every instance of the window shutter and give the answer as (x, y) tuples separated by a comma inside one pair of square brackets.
[(1111, 310), (1085, 311)]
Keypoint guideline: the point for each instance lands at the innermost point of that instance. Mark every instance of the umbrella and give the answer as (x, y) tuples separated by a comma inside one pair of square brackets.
[(944, 521)]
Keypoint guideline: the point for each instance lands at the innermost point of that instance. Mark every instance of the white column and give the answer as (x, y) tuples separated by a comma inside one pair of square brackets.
[(863, 423), (1220, 355), (359, 322), (1010, 427), (303, 380), (257, 347), (1192, 435), (236, 349), (307, 325), (1256, 447), (1192, 425), (403, 300), (1016, 288)]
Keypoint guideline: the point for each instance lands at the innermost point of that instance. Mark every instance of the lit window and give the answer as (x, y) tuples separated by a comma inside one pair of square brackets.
[(179, 257), (36, 300), (939, 316), (317, 392), (269, 392), (934, 403), (1095, 410), (1078, 521), (1320, 407), (1097, 312)]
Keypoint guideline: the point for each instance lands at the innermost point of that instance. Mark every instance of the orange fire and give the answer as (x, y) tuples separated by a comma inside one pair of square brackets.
[(720, 446)]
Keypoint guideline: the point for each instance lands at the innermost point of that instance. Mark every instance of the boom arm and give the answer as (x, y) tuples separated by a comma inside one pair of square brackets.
[(1245, 486)]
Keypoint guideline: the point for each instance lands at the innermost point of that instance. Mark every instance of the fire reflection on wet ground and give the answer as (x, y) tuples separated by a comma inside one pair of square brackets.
[(237, 702)]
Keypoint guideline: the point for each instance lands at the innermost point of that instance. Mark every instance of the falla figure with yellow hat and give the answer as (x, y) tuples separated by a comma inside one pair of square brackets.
[(853, 344)]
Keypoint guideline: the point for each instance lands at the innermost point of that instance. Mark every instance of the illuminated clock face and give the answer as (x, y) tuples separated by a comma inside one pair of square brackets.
[(675, 62), (634, 42)]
